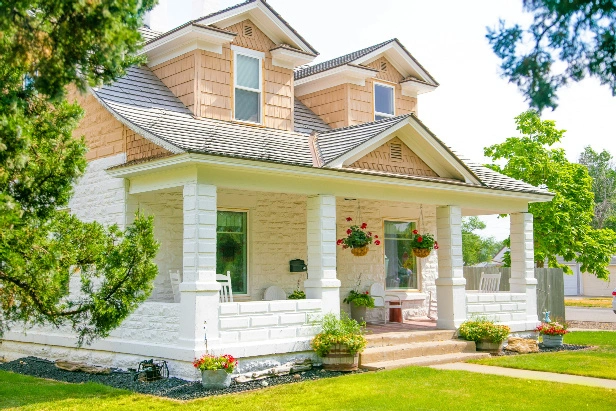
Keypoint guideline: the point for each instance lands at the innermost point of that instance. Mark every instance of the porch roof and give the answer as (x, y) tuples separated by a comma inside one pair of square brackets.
[(145, 105)]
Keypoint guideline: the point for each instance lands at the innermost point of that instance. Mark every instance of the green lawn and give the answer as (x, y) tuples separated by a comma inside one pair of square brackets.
[(409, 388), (599, 362)]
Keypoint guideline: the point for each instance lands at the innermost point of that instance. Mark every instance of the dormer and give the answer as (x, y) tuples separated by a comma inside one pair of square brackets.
[(236, 64), (364, 86)]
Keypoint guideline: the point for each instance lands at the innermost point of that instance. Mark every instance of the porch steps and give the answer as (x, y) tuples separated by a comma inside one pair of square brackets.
[(418, 348)]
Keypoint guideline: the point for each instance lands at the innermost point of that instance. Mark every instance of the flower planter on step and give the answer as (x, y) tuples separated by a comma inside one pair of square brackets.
[(339, 359), (552, 340), (215, 379), (485, 345)]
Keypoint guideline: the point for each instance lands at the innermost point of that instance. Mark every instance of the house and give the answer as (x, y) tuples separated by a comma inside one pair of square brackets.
[(231, 138)]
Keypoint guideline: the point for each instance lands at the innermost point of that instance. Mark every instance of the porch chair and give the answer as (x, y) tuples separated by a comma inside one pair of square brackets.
[(377, 291), (489, 283), (176, 278), (226, 292), (274, 293)]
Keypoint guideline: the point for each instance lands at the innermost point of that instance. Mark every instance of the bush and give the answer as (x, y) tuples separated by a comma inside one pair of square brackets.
[(343, 330), (359, 299), (482, 329)]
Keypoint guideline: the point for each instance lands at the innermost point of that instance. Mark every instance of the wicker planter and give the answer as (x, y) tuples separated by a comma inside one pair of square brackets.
[(485, 345), (215, 379), (421, 252), (339, 359), (552, 340), (358, 313), (359, 251)]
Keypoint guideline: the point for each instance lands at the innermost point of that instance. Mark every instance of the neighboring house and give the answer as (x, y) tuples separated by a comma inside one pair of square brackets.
[(578, 283), (230, 140)]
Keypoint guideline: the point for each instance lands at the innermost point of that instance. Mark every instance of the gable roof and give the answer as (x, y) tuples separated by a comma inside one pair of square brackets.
[(145, 105), (356, 58), (306, 121)]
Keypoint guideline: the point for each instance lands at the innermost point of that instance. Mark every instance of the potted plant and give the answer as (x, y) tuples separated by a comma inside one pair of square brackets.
[(358, 239), (215, 370), (359, 303), (297, 295), (487, 335), (339, 342), (422, 244), (552, 333)]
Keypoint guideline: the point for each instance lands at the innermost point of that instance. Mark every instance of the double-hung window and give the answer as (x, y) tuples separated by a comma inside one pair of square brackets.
[(383, 101), (248, 85), (232, 248), (400, 263)]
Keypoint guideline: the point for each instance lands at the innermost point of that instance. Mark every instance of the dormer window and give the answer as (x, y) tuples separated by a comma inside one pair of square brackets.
[(248, 85), (383, 101)]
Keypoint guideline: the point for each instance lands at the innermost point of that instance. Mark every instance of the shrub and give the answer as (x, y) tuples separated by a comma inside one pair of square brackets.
[(359, 299), (343, 330), (482, 329)]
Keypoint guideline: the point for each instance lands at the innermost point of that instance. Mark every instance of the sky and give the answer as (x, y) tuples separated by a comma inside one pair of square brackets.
[(473, 107)]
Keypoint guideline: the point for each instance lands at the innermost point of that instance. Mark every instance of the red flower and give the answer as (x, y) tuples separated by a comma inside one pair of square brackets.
[(345, 246), (419, 239), (415, 232), (339, 242), (349, 219), (363, 226), (436, 247), (366, 292), (369, 233), (349, 231), (376, 236), (377, 242)]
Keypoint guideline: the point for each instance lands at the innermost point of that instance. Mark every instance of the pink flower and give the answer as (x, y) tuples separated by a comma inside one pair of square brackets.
[(349, 219), (419, 239), (363, 226), (415, 231), (377, 242), (349, 231)]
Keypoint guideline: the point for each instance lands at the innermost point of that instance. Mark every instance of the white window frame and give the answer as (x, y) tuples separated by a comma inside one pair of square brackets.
[(254, 54), (393, 96)]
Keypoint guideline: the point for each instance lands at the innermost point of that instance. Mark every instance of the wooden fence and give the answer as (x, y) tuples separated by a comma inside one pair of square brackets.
[(550, 287)]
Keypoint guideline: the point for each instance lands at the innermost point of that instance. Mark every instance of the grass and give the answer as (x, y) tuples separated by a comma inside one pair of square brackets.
[(591, 302), (413, 387), (598, 362)]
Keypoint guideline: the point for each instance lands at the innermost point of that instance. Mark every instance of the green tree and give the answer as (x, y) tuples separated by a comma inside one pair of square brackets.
[(45, 47), (477, 249), (563, 226), (603, 173), (580, 34)]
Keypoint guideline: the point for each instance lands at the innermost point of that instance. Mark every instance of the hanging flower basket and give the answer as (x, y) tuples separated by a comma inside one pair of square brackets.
[(360, 251), (358, 239), (421, 252), (422, 244)]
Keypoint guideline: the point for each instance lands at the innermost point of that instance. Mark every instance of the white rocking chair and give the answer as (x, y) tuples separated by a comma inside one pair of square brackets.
[(377, 291), (489, 283), (274, 293), (226, 292)]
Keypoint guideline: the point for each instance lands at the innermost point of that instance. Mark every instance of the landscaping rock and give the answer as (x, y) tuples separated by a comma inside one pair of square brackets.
[(79, 366), (522, 345)]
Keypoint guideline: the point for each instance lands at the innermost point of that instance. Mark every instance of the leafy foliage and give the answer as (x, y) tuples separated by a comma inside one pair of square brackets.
[(562, 227), (476, 249), (357, 236), (580, 34), (425, 241), (216, 362), (46, 46), (552, 328), (359, 299), (343, 330), (483, 329), (297, 295), (603, 172)]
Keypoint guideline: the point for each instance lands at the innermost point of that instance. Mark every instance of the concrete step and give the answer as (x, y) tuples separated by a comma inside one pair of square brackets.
[(416, 349), (423, 361), (397, 338)]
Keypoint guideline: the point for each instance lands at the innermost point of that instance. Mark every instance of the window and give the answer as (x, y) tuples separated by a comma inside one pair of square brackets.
[(232, 247), (400, 263), (247, 87), (383, 101)]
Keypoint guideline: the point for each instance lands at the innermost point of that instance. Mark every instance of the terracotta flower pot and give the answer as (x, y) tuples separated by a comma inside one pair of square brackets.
[(215, 379), (359, 251), (421, 252)]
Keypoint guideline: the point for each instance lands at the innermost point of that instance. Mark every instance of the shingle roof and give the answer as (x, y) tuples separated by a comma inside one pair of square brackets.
[(148, 34), (142, 101), (338, 61), (306, 121)]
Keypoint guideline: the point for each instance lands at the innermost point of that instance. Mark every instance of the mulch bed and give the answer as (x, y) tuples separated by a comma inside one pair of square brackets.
[(171, 388)]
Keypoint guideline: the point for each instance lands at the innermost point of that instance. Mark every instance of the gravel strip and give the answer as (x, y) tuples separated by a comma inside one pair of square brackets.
[(592, 325), (171, 388), (542, 349)]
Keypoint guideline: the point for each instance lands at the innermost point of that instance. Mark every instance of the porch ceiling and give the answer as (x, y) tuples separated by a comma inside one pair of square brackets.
[(250, 175)]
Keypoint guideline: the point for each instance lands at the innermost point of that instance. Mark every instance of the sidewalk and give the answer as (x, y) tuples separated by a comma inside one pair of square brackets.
[(528, 375)]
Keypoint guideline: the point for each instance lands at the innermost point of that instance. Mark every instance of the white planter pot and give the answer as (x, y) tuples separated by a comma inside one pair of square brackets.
[(215, 379)]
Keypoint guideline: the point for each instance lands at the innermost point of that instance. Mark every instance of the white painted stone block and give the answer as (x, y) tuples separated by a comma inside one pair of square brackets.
[(283, 332), (276, 306), (234, 323), (229, 336), (518, 316), (475, 308), (261, 334), (228, 308), (486, 298), (509, 307), (492, 307), (253, 307), (299, 318), (502, 297), (472, 298), (307, 331), (518, 297), (503, 317), (308, 305), (521, 306), (264, 320)]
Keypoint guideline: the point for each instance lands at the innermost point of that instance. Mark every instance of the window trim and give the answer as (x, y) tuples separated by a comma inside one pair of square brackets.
[(393, 96), (419, 266), (259, 55), (248, 230)]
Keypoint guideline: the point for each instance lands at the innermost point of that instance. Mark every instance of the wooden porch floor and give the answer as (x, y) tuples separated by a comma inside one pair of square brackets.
[(414, 324)]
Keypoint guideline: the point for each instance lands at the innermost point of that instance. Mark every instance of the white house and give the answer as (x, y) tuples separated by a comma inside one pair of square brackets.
[(227, 137)]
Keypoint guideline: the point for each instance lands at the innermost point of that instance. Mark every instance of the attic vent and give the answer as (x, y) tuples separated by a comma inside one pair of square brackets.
[(383, 66), (395, 151), (247, 30)]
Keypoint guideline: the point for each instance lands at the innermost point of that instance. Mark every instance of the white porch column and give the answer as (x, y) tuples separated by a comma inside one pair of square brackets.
[(199, 289), (321, 227), (523, 264), (450, 284)]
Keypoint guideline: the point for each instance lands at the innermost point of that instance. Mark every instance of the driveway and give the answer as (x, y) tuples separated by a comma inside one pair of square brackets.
[(602, 315)]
